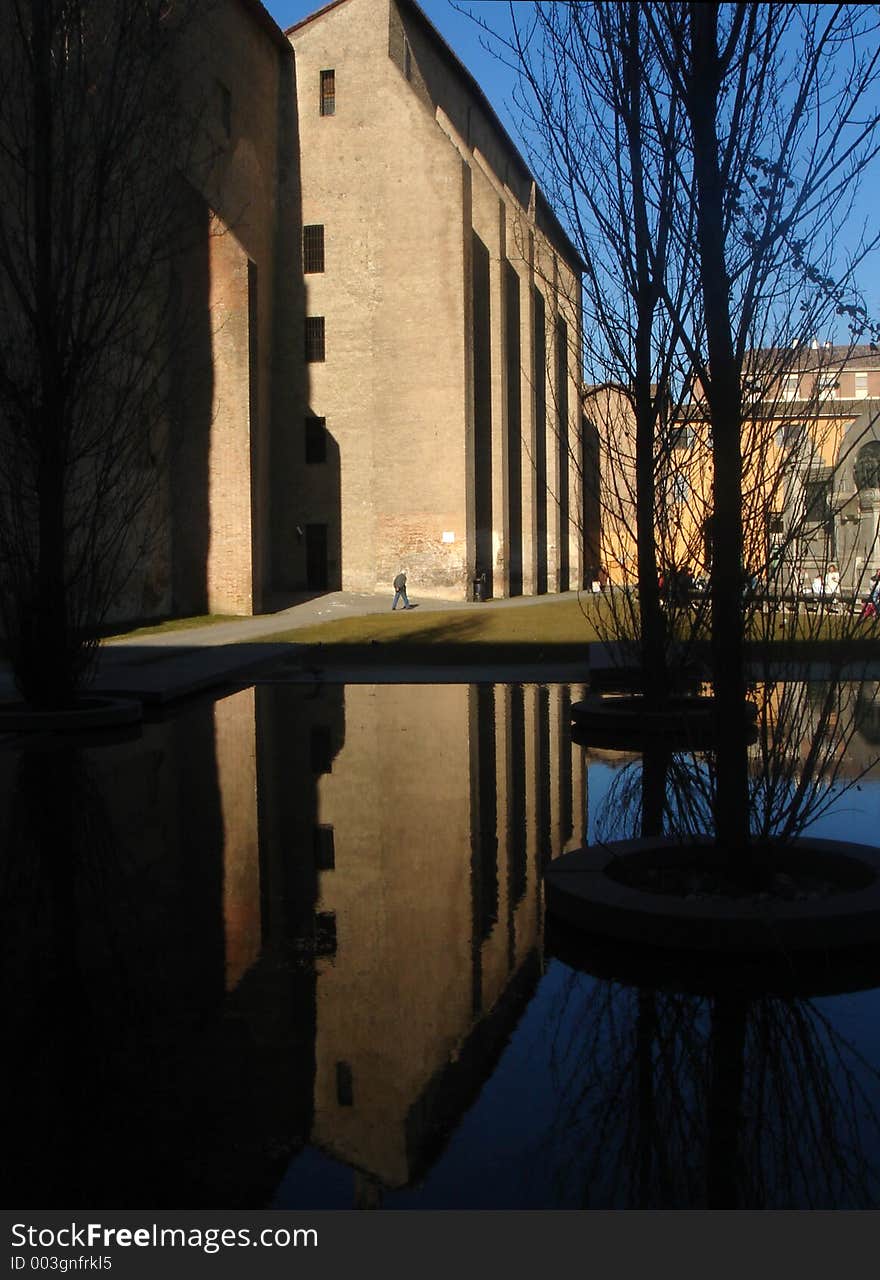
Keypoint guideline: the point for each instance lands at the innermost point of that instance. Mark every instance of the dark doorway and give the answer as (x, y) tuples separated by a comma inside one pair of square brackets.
[(316, 557)]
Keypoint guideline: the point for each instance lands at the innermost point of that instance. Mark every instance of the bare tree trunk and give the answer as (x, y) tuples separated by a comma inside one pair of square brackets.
[(653, 629), (726, 1074), (725, 407), (44, 673)]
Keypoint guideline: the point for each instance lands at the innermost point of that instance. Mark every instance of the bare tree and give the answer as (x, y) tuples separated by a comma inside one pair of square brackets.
[(781, 111), (94, 130), (600, 131), (706, 158)]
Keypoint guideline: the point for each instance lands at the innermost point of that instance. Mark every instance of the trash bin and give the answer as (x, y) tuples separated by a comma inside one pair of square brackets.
[(480, 587)]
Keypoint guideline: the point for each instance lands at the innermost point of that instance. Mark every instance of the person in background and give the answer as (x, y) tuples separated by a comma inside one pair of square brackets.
[(399, 585), (872, 604), (831, 587)]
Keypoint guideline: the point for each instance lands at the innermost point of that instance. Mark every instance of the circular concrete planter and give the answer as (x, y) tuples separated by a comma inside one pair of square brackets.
[(589, 889), (625, 721), (91, 712)]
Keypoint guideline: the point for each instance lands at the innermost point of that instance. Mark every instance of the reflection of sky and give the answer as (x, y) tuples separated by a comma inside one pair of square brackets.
[(502, 1154), (852, 813)]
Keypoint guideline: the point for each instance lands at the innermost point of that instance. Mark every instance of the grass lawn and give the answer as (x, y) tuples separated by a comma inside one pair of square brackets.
[(176, 624), (552, 623)]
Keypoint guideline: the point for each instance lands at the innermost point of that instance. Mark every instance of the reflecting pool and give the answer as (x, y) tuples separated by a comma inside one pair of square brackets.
[(288, 949)]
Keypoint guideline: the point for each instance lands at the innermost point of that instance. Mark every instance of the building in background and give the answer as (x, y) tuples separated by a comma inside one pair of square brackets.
[(811, 471)]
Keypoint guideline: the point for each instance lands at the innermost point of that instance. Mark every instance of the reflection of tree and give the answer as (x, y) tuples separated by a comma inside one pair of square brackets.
[(670, 1100), (800, 765)]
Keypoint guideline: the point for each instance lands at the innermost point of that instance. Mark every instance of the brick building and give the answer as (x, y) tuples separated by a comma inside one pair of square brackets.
[(378, 328), (442, 326)]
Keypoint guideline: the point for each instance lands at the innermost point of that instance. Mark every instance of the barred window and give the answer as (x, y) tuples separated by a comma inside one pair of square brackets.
[(313, 249), (316, 440), (328, 93), (314, 339)]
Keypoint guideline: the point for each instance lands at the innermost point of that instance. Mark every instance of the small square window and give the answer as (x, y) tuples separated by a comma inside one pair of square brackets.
[(826, 385), (681, 490), (791, 436), (224, 108), (313, 249), (344, 1085), (316, 440), (328, 93), (325, 933), (680, 438), (324, 847), (314, 339)]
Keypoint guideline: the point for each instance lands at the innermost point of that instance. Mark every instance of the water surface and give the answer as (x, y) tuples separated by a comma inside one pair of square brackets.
[(288, 948)]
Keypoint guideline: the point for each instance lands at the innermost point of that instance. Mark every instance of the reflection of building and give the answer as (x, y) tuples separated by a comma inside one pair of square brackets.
[(443, 313), (439, 824), (287, 917)]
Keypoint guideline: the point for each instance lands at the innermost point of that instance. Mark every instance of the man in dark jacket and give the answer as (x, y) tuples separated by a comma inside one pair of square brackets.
[(400, 592)]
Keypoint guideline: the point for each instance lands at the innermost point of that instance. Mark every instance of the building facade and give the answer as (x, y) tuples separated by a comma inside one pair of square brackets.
[(811, 471), (375, 336), (442, 327)]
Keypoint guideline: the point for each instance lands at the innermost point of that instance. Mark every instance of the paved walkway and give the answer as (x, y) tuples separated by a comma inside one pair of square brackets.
[(163, 667)]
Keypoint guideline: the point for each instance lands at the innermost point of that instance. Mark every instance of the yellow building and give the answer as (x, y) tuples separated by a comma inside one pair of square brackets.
[(811, 472)]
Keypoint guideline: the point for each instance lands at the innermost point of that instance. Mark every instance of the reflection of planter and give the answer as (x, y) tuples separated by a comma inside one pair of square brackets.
[(605, 892), (624, 720), (807, 974), (90, 712)]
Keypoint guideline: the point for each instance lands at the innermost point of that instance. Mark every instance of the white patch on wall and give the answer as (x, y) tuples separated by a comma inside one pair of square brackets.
[(448, 536)]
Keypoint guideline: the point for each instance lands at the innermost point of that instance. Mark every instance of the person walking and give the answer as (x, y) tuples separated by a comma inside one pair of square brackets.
[(872, 604), (399, 585)]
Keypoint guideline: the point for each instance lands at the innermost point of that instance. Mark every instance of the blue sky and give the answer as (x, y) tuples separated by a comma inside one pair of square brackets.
[(497, 82)]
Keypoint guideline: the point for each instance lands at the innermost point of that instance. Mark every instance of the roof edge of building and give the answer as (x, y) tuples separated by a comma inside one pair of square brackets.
[(559, 235), (566, 243), (264, 18), (311, 17)]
